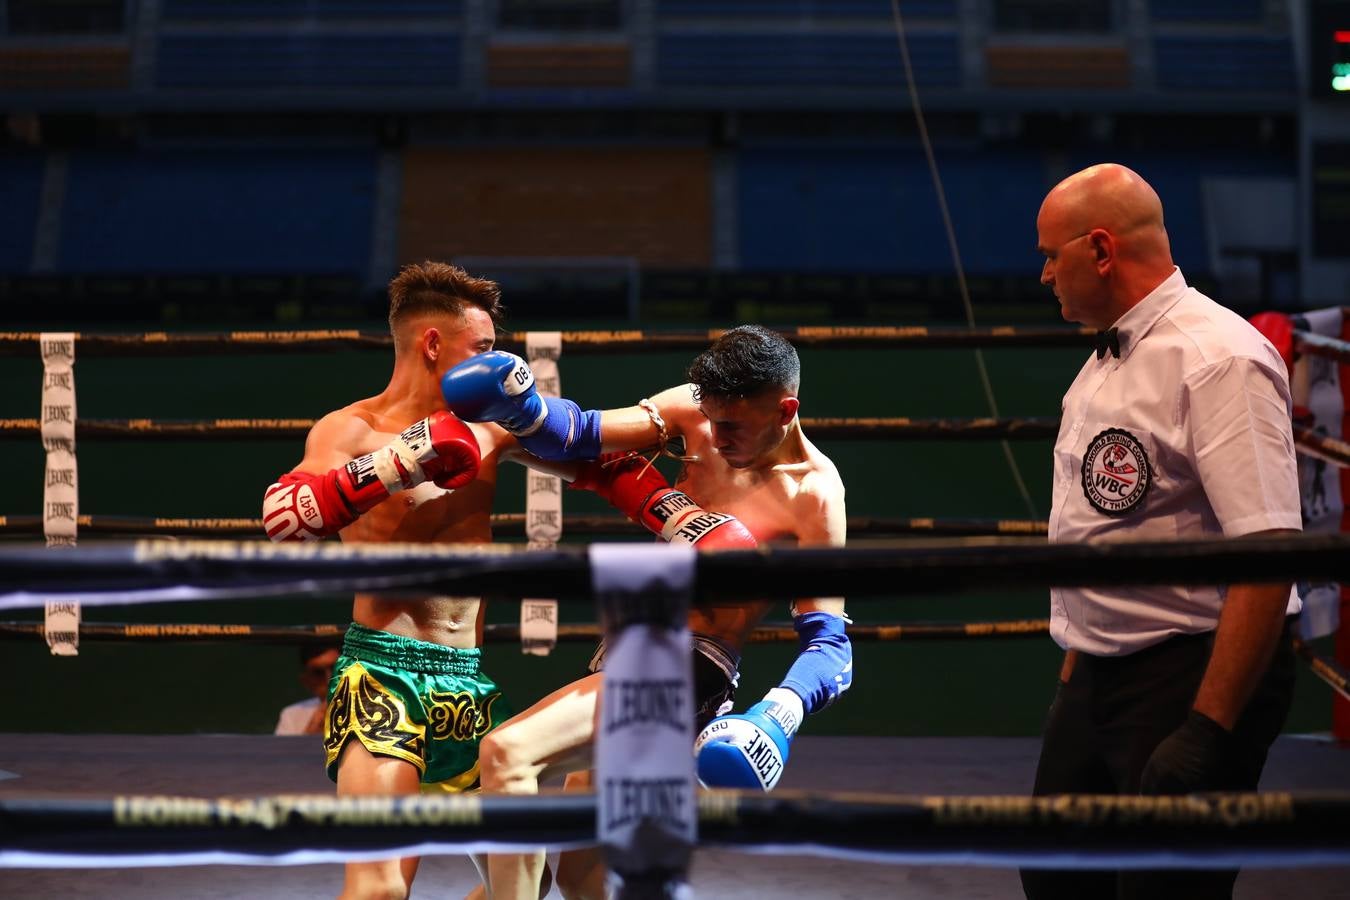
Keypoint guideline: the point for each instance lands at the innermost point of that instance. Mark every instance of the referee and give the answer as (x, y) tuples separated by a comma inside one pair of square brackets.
[(1177, 427)]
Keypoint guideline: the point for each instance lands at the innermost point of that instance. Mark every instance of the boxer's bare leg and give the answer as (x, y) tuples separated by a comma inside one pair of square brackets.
[(479, 892), (360, 772), (581, 873), (554, 735)]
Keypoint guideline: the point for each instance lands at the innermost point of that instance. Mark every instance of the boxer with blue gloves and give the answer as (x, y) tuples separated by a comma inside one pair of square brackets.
[(749, 476), (499, 387), (747, 750)]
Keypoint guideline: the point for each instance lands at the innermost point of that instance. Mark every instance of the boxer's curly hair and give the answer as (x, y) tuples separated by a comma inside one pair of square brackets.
[(745, 361), (438, 287)]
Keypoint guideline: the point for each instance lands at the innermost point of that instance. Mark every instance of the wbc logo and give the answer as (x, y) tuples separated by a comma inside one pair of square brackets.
[(1116, 472)]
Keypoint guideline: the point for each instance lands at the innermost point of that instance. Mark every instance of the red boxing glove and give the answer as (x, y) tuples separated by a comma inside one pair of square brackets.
[(707, 530), (453, 458), (626, 482), (642, 493), (1279, 330), (304, 507)]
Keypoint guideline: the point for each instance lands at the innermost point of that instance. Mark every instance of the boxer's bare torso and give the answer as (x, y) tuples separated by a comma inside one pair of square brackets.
[(792, 494), (424, 514)]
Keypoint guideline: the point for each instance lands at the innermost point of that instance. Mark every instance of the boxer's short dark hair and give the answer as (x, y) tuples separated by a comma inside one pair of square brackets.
[(437, 287), (743, 362)]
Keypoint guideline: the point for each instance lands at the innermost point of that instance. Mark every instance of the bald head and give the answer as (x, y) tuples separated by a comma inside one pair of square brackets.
[(1111, 197), (1101, 232)]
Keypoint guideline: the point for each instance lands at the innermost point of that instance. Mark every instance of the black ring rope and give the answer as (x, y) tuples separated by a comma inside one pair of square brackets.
[(122, 632), (824, 428), (499, 633), (1104, 831), (296, 429), (160, 343), (1321, 345), (512, 524), (1324, 668), (1320, 446), (165, 569)]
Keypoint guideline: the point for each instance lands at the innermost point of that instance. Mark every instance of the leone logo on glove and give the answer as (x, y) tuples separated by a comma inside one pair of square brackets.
[(763, 756), (695, 528), (747, 750)]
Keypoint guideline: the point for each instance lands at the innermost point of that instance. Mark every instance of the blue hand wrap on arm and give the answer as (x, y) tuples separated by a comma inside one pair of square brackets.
[(567, 432), (824, 667)]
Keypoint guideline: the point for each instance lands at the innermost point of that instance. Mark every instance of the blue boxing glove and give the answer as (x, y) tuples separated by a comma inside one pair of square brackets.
[(499, 387), (494, 387), (749, 750)]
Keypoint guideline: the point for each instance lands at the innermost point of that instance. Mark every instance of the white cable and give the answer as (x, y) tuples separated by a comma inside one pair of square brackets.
[(956, 251)]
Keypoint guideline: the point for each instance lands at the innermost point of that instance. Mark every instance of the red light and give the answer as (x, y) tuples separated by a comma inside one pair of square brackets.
[(1342, 37)]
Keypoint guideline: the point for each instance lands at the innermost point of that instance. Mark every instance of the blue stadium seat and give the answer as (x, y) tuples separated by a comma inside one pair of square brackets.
[(226, 211), (874, 209), (1206, 10), (815, 9), (308, 60), (822, 59), (1198, 63), (172, 10), (20, 195)]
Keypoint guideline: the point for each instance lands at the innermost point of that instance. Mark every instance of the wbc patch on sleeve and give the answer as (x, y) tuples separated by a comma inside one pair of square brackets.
[(1116, 472)]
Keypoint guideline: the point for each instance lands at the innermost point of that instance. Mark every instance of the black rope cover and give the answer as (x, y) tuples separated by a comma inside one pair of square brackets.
[(157, 570), (1105, 831)]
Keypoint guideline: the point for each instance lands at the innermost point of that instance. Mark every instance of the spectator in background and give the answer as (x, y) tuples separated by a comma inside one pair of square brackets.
[(316, 669)]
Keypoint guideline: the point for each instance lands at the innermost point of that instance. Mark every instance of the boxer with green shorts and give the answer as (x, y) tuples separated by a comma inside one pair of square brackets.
[(409, 705), (426, 704)]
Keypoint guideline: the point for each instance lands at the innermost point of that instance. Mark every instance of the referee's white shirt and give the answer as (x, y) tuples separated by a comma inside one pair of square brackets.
[(1186, 435)]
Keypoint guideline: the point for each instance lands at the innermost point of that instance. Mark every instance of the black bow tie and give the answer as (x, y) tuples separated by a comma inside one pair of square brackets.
[(1108, 340)]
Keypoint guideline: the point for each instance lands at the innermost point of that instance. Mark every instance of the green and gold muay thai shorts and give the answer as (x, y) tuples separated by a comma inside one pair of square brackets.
[(422, 703)]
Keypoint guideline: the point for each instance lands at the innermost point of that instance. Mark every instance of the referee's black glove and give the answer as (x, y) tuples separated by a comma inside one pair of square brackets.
[(1193, 758)]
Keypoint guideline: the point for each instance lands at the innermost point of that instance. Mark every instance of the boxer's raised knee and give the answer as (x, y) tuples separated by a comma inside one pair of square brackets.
[(506, 764)]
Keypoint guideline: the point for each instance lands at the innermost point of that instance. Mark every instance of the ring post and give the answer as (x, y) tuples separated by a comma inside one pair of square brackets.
[(646, 816)]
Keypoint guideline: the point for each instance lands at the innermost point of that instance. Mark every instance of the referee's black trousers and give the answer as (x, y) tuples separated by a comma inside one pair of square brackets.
[(1104, 724)]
